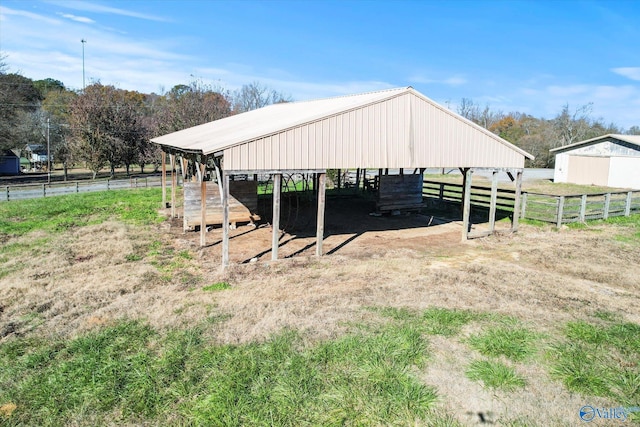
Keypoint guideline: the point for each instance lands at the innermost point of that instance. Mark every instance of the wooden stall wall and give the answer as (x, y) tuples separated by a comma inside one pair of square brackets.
[(243, 203), (399, 192)]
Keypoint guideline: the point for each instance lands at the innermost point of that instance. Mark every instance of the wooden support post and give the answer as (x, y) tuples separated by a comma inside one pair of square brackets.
[(466, 203), (607, 203), (339, 178), (583, 207), (515, 219), (184, 163), (627, 205), (560, 211), (275, 237), (203, 203), (174, 184), (225, 221), (401, 171), (364, 179), (321, 205), (164, 180), (493, 201)]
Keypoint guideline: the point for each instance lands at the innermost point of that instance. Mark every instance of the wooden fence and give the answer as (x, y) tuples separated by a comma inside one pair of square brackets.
[(543, 207), (480, 196), (579, 207), (32, 191)]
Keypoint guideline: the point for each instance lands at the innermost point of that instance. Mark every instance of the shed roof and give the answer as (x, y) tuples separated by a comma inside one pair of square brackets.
[(629, 139), (390, 128)]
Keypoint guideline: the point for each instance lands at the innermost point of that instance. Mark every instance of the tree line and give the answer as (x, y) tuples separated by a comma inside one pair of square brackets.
[(539, 135), (103, 126)]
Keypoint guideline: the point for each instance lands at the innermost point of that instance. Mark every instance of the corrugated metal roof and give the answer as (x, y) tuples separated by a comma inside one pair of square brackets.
[(631, 139), (390, 128)]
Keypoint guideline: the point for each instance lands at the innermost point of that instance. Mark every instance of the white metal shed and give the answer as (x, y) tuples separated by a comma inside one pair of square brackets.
[(610, 160)]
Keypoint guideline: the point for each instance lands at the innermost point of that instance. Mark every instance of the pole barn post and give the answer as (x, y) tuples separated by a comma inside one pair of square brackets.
[(225, 220), (466, 203), (492, 203), (275, 237), (516, 203), (174, 184), (164, 180), (322, 178), (203, 203)]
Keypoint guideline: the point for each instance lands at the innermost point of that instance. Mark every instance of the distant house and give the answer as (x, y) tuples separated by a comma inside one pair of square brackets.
[(37, 155), (9, 163), (610, 160)]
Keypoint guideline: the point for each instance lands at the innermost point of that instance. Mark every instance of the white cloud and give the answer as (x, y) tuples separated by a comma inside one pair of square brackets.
[(5, 11), (86, 6), (632, 73), (82, 19)]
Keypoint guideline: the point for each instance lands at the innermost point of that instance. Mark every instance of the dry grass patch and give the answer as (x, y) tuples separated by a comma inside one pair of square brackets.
[(89, 278)]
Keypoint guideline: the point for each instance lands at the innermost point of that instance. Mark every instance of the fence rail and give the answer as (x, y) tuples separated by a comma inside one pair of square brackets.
[(32, 191), (543, 207)]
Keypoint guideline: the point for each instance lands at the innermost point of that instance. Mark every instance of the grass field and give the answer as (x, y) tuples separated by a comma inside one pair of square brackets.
[(108, 319)]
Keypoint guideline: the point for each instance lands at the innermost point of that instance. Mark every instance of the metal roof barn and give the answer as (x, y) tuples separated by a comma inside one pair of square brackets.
[(389, 129), (397, 128), (610, 160)]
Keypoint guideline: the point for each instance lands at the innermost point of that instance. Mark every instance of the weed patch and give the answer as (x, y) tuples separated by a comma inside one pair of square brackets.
[(494, 374), (599, 360), (220, 286), (512, 341)]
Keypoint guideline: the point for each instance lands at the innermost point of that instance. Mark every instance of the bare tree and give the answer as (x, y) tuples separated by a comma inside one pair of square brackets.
[(481, 116), (572, 126), (256, 95), (185, 106), (634, 130)]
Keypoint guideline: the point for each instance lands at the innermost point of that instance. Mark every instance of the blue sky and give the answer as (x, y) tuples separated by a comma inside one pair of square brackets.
[(526, 56)]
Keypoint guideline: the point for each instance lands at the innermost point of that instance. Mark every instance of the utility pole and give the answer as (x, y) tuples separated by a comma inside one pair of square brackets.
[(48, 152), (83, 41)]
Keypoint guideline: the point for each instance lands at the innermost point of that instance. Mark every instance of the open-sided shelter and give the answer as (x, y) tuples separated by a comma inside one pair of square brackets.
[(610, 160), (390, 129)]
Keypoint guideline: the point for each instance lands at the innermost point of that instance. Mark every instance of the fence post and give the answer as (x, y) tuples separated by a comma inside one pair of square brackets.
[(583, 207), (146, 182), (627, 206), (108, 184), (8, 194), (77, 187), (607, 201), (44, 190), (441, 191), (559, 211), (524, 205)]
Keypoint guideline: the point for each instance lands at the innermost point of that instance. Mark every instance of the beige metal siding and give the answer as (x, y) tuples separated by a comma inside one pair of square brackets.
[(405, 131), (588, 170)]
